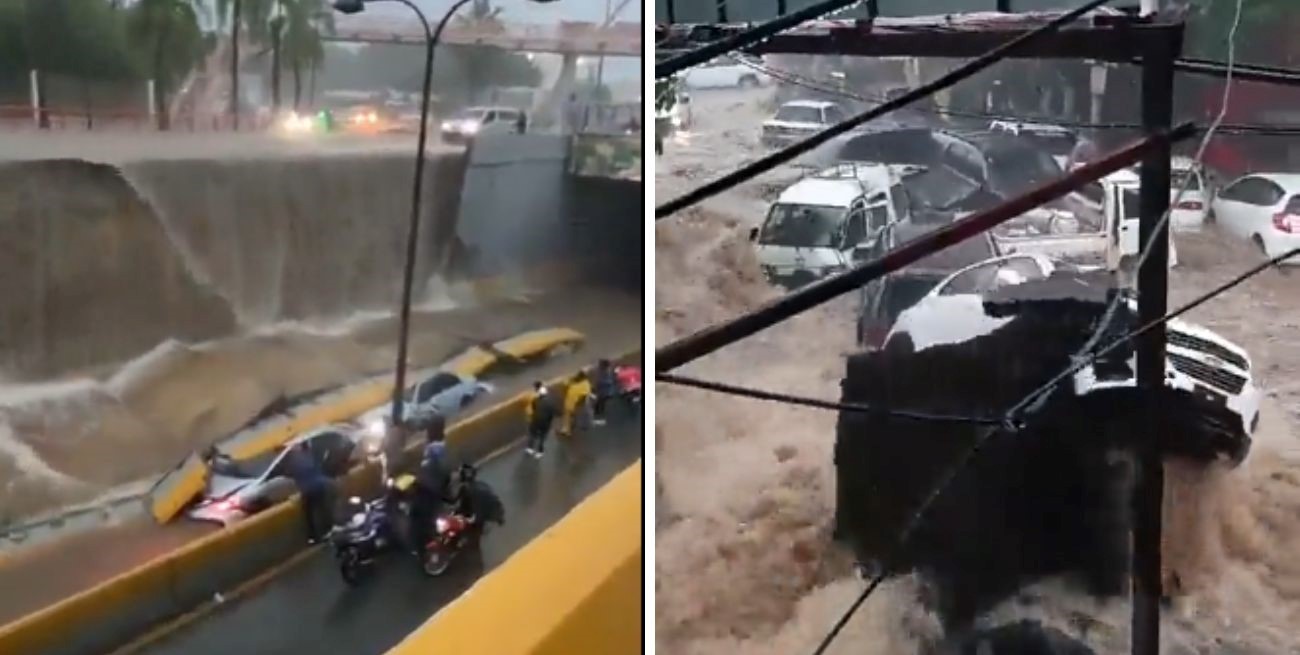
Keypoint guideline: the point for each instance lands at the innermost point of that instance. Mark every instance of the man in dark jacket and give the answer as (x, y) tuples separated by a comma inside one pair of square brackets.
[(431, 482), (605, 386), (316, 489), (540, 414)]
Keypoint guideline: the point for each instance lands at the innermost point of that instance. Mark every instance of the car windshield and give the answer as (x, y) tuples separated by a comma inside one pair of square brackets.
[(803, 226), (470, 114), (436, 385), (1178, 178), (1013, 171), (252, 467), (939, 187), (1059, 143), (799, 114)]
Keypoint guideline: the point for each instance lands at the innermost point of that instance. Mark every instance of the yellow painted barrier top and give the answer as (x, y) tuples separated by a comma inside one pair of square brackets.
[(574, 590)]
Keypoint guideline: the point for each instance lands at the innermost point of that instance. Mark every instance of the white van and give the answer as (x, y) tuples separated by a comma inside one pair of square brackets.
[(816, 225)]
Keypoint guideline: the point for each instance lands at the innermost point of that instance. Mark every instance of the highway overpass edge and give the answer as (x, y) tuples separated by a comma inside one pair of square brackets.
[(576, 589)]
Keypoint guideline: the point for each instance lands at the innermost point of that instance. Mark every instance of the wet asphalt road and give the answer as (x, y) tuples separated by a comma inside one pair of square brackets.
[(308, 608)]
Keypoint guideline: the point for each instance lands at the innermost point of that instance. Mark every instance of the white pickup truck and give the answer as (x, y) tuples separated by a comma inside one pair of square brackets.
[(1098, 227)]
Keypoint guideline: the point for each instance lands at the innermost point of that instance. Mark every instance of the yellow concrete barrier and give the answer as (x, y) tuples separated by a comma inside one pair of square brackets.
[(117, 610), (175, 491), (574, 590)]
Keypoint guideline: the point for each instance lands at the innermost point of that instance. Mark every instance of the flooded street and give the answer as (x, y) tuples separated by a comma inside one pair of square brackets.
[(745, 562)]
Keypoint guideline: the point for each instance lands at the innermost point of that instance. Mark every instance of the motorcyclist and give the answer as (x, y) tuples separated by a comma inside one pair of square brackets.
[(431, 483), (475, 500)]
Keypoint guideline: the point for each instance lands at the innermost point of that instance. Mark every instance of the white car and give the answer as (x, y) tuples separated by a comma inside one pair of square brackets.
[(1199, 360), (239, 488), (443, 393), (472, 122), (726, 72), (799, 119), (1263, 208)]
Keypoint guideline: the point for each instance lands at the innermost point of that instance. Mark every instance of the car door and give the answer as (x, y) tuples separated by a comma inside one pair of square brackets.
[(1240, 204), (332, 451)]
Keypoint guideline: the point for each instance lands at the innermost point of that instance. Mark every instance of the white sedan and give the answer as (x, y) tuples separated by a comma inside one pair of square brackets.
[(1263, 208)]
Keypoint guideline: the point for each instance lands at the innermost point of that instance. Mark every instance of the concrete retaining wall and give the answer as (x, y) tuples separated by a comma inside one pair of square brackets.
[(113, 613), (588, 569)]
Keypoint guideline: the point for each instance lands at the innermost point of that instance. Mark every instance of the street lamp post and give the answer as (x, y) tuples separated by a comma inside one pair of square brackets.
[(413, 230)]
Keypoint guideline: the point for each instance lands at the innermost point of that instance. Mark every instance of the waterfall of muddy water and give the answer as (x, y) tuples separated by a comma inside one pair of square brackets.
[(744, 562), (152, 308)]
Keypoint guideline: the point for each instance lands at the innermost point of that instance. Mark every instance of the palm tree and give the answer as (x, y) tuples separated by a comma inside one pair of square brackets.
[(169, 31), (305, 22)]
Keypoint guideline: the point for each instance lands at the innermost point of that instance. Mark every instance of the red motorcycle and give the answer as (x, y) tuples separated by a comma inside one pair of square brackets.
[(452, 533), (476, 506), (629, 383)]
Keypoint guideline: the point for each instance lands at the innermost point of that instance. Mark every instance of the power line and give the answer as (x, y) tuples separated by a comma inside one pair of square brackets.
[(950, 78), (789, 399), (747, 37), (827, 87)]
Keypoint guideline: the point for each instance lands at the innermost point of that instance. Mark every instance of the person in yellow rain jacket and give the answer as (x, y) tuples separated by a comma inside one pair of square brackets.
[(576, 396)]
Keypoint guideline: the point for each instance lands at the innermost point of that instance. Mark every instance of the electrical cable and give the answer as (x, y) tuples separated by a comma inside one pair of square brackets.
[(746, 38), (944, 81), (790, 399), (827, 87)]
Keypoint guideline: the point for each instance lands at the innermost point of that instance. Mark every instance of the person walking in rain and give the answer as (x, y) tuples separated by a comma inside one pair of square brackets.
[(540, 414), (316, 489), (576, 396), (606, 388)]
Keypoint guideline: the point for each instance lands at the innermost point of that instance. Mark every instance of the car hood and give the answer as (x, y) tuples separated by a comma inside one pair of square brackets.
[(793, 125)]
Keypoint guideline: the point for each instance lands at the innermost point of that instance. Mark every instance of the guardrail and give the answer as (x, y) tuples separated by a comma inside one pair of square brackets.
[(117, 610)]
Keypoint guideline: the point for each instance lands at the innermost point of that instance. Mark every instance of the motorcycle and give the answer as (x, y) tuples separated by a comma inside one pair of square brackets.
[(476, 507), (629, 383), (369, 531)]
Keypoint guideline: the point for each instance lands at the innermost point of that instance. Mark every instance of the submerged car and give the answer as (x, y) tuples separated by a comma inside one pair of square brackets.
[(1198, 360), (799, 119), (444, 393), (239, 488), (473, 122)]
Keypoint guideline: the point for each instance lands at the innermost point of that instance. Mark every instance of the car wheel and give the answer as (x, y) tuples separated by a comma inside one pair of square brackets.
[(748, 82), (1259, 243), (466, 399)]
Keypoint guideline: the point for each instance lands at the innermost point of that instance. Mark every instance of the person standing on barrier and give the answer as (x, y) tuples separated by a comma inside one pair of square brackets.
[(315, 488), (576, 396), (540, 414)]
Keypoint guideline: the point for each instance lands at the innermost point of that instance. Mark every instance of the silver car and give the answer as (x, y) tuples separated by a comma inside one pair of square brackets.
[(238, 488), (443, 393)]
